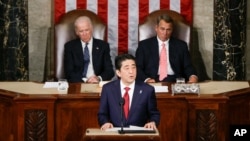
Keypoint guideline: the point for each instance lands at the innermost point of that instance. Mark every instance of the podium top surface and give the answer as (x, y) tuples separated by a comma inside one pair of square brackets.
[(96, 134), (209, 87), (99, 132)]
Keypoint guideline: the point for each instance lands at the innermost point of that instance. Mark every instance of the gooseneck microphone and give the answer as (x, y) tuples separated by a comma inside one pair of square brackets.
[(122, 101), (122, 131)]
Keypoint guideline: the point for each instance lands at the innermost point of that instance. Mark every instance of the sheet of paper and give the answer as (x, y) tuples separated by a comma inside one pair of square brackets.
[(50, 85), (159, 89), (131, 127)]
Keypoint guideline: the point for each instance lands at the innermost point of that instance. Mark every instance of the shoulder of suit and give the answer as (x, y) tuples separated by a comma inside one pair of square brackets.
[(149, 39), (141, 83), (173, 39), (73, 42), (111, 83), (99, 42)]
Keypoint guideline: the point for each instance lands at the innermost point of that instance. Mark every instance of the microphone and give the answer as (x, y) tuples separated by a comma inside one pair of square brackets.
[(122, 101)]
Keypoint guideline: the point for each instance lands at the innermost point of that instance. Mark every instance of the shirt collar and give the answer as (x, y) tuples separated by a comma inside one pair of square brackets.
[(89, 42), (131, 86), (160, 41)]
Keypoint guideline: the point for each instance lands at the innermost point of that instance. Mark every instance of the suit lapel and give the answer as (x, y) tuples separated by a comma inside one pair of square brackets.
[(155, 51), (155, 55), (136, 94), (78, 49), (172, 53), (95, 50), (117, 94)]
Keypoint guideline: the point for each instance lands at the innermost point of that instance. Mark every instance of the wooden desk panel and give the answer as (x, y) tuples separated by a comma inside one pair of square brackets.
[(7, 118), (74, 116), (207, 119), (173, 112), (35, 118), (66, 117)]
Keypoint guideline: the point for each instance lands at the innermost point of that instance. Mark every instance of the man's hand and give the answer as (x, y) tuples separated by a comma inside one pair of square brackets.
[(150, 125), (106, 126), (93, 79), (150, 80), (193, 79)]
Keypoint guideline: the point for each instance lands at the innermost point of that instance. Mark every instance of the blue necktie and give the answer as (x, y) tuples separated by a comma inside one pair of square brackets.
[(86, 60)]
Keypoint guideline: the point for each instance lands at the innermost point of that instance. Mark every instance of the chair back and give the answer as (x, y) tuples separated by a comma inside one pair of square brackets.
[(65, 31), (181, 28)]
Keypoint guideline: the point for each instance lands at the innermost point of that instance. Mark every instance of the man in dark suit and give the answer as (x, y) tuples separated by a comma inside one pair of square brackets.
[(87, 59), (175, 62), (142, 103)]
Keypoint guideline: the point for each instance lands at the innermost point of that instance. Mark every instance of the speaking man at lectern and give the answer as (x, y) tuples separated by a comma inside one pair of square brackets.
[(135, 99)]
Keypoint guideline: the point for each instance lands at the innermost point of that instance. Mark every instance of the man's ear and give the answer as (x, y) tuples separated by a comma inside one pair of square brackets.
[(76, 32), (118, 73), (156, 26)]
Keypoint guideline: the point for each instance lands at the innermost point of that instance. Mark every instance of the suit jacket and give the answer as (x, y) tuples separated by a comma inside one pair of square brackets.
[(147, 59), (74, 64), (142, 110)]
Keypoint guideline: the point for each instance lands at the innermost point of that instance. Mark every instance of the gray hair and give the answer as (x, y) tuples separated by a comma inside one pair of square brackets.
[(83, 19)]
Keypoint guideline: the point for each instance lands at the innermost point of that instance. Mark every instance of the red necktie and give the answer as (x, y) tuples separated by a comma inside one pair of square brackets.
[(126, 100), (163, 63)]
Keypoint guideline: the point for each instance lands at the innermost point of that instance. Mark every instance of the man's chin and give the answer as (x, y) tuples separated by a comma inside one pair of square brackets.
[(131, 80)]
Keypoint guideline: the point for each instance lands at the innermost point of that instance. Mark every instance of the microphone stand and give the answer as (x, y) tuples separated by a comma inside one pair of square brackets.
[(121, 104)]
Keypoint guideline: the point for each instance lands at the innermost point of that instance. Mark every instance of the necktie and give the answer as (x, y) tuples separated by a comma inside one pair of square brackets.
[(126, 100), (86, 60), (163, 63)]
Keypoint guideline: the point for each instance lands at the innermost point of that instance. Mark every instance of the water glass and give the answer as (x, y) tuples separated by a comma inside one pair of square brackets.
[(62, 85), (180, 80)]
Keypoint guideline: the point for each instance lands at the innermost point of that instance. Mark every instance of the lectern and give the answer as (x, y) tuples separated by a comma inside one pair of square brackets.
[(94, 134)]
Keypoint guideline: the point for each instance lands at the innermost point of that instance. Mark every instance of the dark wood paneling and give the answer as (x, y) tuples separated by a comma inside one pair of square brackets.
[(74, 116), (174, 115), (66, 117)]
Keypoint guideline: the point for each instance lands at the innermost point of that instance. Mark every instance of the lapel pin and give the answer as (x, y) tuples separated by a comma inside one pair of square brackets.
[(97, 48), (140, 91)]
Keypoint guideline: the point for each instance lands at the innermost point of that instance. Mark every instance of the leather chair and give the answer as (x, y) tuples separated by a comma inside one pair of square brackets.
[(181, 28), (65, 31)]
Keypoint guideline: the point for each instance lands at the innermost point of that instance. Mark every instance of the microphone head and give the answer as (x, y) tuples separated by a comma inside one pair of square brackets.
[(122, 101)]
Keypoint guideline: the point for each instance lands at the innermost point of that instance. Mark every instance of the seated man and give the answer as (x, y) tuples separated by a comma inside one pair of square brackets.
[(140, 106), (87, 59), (163, 57)]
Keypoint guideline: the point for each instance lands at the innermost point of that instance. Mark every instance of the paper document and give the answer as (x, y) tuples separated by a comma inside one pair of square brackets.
[(50, 85), (159, 89), (131, 127)]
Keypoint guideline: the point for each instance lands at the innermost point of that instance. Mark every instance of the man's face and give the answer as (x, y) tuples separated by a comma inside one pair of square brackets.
[(164, 30), (84, 31), (127, 73)]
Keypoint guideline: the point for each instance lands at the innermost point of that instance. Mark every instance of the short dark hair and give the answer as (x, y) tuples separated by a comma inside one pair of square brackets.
[(164, 17), (122, 57)]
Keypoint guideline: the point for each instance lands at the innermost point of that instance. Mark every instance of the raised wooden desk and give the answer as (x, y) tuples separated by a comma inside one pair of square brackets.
[(95, 134), (29, 112)]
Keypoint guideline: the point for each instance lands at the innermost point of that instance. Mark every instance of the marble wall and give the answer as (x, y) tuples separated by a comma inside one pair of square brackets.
[(202, 53), (14, 40), (247, 51), (229, 39)]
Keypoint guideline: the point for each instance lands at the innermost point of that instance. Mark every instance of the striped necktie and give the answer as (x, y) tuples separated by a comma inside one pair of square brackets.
[(86, 60)]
